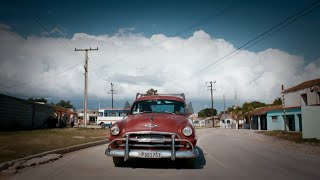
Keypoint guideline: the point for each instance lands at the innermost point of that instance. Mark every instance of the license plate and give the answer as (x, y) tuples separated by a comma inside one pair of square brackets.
[(149, 154)]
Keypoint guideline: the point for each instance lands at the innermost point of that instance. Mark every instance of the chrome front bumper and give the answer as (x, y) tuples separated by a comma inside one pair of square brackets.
[(134, 153), (164, 153)]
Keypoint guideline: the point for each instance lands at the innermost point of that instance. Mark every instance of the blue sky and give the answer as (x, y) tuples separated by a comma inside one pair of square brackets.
[(188, 27), (234, 21)]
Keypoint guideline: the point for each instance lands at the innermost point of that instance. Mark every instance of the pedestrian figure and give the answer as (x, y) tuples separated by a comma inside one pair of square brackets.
[(72, 120)]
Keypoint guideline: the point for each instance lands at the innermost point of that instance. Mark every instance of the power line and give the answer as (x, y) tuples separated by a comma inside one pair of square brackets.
[(53, 76), (58, 40), (192, 26), (258, 38), (35, 82)]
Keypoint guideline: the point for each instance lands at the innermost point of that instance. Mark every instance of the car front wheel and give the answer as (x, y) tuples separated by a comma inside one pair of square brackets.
[(189, 163), (118, 161)]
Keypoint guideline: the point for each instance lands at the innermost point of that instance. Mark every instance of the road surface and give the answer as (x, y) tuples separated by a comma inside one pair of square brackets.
[(225, 154)]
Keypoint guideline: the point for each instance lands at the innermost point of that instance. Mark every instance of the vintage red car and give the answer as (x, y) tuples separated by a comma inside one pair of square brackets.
[(157, 127)]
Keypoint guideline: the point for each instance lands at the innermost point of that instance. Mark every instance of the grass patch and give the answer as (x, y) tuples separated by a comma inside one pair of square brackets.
[(18, 144), (291, 136)]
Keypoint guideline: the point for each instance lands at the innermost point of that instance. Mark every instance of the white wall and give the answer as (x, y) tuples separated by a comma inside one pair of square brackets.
[(310, 121), (313, 98), (294, 99)]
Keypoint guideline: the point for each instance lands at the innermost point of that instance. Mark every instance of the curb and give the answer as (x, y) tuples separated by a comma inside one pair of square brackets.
[(5, 165)]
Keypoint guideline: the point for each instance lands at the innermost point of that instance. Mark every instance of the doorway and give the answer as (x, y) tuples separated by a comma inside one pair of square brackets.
[(263, 122), (291, 122)]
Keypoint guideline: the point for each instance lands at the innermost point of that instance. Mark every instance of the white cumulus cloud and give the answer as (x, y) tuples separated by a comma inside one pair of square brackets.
[(45, 66)]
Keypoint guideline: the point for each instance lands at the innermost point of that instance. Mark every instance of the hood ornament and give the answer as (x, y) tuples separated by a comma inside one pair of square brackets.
[(151, 118), (150, 126)]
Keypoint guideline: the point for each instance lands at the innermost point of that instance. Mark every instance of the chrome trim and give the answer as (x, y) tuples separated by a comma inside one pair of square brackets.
[(126, 152), (173, 153), (151, 132), (150, 126), (152, 140), (170, 153), (134, 153), (151, 145)]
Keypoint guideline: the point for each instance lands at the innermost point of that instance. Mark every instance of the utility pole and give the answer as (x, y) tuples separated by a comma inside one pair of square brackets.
[(112, 92), (211, 89), (85, 103), (235, 99), (284, 110), (224, 106)]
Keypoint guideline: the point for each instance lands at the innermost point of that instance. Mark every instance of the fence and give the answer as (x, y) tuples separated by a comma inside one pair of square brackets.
[(19, 114)]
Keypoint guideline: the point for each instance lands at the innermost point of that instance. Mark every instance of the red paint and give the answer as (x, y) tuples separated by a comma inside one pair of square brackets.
[(161, 122)]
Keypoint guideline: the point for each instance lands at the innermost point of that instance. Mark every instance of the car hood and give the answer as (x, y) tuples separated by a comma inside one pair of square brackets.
[(154, 122)]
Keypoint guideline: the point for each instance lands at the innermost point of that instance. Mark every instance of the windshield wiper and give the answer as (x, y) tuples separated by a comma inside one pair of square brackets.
[(145, 112), (167, 112)]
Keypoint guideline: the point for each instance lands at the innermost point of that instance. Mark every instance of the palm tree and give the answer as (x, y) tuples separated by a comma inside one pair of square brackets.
[(151, 92)]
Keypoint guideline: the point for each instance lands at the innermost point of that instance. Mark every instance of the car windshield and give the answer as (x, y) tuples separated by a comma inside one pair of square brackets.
[(159, 106)]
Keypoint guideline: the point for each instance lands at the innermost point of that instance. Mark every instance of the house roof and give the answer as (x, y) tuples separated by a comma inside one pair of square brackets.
[(304, 85), (265, 110)]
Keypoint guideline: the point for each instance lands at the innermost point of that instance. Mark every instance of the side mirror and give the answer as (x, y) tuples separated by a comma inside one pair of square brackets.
[(189, 109)]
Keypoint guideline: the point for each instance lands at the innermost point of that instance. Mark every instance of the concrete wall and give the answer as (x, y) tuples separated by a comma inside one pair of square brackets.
[(279, 123), (294, 99), (18, 113), (311, 122)]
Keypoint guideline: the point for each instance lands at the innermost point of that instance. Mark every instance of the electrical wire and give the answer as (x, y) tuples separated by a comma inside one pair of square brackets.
[(256, 39)]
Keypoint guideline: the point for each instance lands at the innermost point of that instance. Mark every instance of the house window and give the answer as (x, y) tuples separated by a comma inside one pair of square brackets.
[(304, 99), (274, 118), (318, 97)]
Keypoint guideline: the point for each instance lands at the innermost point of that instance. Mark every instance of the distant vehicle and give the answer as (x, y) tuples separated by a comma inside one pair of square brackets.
[(156, 127), (109, 116)]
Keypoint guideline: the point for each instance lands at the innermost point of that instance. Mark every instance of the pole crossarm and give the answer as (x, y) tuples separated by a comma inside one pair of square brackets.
[(89, 49)]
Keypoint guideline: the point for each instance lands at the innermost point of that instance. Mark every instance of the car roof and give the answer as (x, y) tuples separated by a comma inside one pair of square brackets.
[(159, 97)]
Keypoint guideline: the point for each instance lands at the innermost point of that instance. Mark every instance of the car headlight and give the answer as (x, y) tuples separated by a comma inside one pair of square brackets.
[(115, 130), (187, 131)]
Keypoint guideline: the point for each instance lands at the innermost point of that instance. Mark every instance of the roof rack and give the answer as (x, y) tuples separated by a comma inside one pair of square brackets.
[(144, 94)]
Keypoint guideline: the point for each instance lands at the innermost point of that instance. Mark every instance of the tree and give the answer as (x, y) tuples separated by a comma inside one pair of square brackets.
[(249, 106), (207, 112), (43, 100), (65, 104), (239, 113), (151, 92), (277, 101)]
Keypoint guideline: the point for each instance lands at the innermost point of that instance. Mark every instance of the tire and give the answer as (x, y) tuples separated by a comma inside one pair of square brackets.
[(102, 125), (189, 163), (118, 161)]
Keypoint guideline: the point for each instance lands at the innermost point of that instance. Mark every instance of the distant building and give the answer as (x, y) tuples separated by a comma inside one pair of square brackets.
[(301, 110), (194, 115), (91, 115)]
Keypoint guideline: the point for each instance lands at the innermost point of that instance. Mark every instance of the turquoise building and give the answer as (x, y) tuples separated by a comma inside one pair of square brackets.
[(272, 118), (275, 119)]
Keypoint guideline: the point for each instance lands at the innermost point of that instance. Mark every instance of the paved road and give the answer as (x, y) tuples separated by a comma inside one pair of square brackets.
[(225, 154)]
